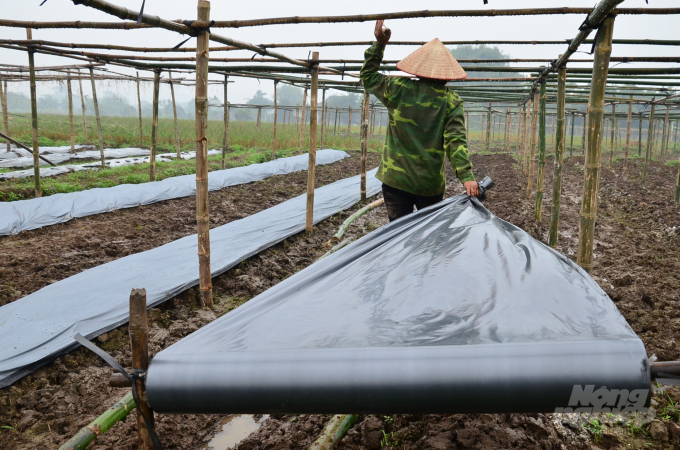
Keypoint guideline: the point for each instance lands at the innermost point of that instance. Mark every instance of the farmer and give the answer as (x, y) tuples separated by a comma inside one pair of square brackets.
[(426, 124)]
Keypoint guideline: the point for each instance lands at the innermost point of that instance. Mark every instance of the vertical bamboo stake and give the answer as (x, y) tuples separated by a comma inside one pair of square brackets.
[(69, 90), (364, 142), (335, 126), (584, 137), (311, 169), (540, 182), (664, 143), (532, 146), (488, 129), (571, 142), (82, 103), (527, 132), (349, 120), (202, 207), (259, 117), (225, 131), (99, 121), (380, 124), (522, 132), (5, 112), (323, 117), (139, 107), (154, 125), (650, 144), (611, 141), (603, 49), (297, 115), (34, 117), (139, 346), (302, 120), (559, 153), (640, 135), (628, 123), (505, 134), (276, 118), (174, 112)]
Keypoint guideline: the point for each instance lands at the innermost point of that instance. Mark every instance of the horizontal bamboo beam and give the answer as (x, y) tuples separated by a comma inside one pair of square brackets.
[(440, 13)]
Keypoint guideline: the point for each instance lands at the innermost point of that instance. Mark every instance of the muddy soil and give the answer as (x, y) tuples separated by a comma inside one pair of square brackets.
[(636, 262)]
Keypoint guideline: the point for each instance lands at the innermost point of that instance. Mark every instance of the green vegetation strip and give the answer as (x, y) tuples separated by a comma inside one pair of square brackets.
[(335, 430)]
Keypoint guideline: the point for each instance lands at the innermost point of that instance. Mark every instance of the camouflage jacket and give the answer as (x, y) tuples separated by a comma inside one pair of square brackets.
[(426, 124)]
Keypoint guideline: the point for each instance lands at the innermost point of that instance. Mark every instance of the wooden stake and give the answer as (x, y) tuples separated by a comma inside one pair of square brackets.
[(5, 112), (571, 142), (664, 137), (559, 152), (139, 346), (99, 121), (650, 145), (323, 116), (540, 182), (640, 134), (34, 118), (584, 137), (297, 115), (154, 125), (603, 49), (276, 118), (364, 142), (311, 169), (178, 145), (628, 123), (349, 120), (488, 129), (202, 208), (380, 125), (259, 117), (69, 92), (302, 120), (505, 134), (82, 103), (532, 146), (524, 159), (612, 124), (225, 133), (139, 108), (522, 132)]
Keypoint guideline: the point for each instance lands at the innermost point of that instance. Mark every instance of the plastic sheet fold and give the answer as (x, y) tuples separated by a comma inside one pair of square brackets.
[(447, 310)]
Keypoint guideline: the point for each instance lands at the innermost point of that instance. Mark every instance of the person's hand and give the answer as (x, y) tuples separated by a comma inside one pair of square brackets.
[(382, 35), (472, 188)]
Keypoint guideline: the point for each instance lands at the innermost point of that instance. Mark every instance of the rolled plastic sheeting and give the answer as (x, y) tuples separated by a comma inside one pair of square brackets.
[(61, 157), (447, 310), (39, 327), (39, 212)]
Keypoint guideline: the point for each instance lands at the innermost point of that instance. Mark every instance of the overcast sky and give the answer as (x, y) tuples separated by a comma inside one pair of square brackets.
[(483, 28)]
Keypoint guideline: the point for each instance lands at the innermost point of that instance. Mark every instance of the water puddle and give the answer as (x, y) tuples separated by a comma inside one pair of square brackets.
[(233, 430)]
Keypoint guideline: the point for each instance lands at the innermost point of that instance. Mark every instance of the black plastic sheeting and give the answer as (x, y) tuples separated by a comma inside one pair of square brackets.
[(447, 310), (39, 327), (39, 212)]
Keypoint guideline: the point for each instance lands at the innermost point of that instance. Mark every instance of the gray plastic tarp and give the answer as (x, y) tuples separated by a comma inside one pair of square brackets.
[(447, 310), (37, 328), (61, 157), (39, 212)]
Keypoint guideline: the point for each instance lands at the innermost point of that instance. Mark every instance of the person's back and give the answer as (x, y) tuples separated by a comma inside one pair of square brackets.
[(426, 124)]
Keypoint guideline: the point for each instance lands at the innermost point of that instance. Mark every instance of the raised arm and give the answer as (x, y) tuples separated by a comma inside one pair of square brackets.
[(374, 81), (455, 144)]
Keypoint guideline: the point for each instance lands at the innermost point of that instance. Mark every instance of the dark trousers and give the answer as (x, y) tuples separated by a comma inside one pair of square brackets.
[(400, 203)]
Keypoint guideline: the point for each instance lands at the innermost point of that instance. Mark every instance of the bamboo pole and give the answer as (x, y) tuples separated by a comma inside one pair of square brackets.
[(297, 115), (34, 119), (99, 121), (101, 424), (505, 134), (276, 118), (380, 124), (154, 126), (225, 132), (349, 120), (540, 182), (532, 147), (69, 92), (588, 213), (571, 142), (174, 113), (640, 135), (527, 132), (584, 136), (313, 116), (82, 103), (5, 112), (334, 431), (202, 207), (139, 108), (323, 117), (19, 144), (488, 129), (612, 124), (139, 346), (522, 132), (335, 125), (664, 143), (628, 124), (364, 142), (559, 153), (650, 145), (302, 120)]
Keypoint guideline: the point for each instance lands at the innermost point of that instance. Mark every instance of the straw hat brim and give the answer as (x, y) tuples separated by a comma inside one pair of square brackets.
[(432, 60)]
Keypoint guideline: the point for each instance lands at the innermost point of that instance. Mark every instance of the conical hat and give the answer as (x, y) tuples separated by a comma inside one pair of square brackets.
[(432, 60)]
